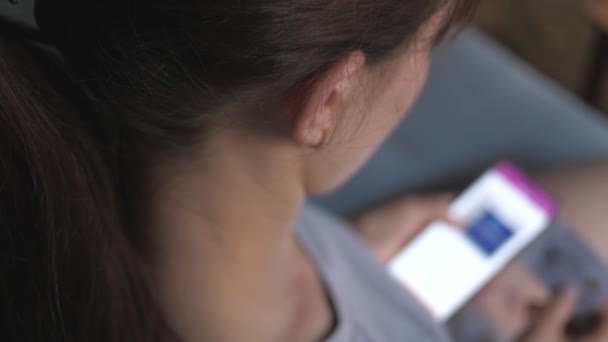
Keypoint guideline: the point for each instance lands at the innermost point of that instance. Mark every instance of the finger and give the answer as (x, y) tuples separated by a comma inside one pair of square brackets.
[(455, 223), (440, 205), (559, 311)]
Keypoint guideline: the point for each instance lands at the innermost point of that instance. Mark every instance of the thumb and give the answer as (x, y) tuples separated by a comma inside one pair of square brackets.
[(560, 311)]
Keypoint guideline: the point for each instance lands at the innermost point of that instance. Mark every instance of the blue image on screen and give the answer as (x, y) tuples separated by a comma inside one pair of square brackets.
[(489, 233)]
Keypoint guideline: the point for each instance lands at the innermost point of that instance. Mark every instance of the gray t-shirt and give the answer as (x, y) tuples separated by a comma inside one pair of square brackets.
[(370, 306)]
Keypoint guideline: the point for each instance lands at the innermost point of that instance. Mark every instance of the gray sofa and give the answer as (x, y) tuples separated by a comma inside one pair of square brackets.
[(481, 104)]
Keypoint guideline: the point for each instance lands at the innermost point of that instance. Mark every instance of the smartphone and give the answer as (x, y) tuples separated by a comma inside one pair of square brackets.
[(502, 213)]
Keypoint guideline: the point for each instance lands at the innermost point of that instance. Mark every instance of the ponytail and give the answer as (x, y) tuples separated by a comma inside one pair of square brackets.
[(67, 270)]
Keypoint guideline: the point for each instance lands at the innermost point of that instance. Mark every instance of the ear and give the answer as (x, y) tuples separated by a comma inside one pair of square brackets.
[(314, 119)]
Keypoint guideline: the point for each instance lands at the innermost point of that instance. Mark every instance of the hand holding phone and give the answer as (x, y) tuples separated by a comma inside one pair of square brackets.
[(503, 212)]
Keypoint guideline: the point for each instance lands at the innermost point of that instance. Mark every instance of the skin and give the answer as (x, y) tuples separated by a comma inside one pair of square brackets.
[(582, 192), (225, 260), (516, 301)]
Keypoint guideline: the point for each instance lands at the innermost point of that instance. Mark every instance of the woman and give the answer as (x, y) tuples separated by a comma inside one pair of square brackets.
[(157, 155)]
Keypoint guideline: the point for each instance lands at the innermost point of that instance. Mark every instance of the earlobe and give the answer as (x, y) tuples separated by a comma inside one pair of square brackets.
[(316, 118), (314, 122), (313, 129)]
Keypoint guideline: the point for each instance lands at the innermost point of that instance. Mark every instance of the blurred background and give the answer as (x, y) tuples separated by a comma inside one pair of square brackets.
[(564, 39)]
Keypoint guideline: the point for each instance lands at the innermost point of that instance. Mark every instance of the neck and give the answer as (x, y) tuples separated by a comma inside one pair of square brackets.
[(227, 262)]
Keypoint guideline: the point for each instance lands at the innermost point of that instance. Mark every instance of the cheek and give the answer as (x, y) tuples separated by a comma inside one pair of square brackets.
[(411, 85), (399, 95)]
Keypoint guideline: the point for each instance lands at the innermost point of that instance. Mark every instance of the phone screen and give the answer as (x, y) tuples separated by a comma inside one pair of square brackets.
[(502, 212)]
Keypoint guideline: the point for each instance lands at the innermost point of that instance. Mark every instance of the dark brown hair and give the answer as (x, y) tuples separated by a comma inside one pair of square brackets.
[(108, 89)]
